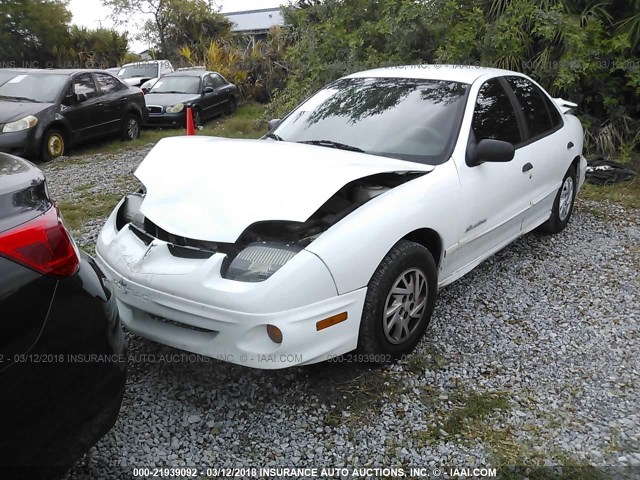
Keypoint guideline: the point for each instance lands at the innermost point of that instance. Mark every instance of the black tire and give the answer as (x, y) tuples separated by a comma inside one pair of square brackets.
[(197, 118), (231, 107), (53, 145), (375, 340), (561, 212), (130, 127)]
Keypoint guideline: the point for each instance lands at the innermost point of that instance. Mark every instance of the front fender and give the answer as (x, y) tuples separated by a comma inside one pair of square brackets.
[(353, 248)]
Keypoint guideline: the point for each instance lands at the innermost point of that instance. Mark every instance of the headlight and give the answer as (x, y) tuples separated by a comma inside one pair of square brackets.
[(259, 261), (22, 124), (175, 108)]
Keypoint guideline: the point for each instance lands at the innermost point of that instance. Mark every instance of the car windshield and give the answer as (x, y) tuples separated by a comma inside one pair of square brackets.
[(39, 88), (139, 70), (409, 119), (177, 85), (6, 75)]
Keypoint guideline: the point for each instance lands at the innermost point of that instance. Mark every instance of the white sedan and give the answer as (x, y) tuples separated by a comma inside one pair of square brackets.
[(334, 233)]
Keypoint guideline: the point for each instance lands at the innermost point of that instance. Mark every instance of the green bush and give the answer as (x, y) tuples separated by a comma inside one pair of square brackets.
[(583, 51)]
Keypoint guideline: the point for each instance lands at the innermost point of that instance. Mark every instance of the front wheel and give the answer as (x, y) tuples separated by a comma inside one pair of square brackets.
[(131, 127), (563, 204), (53, 145), (400, 300), (197, 118)]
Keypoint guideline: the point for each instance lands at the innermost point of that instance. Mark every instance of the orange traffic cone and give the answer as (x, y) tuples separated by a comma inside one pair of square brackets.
[(190, 126)]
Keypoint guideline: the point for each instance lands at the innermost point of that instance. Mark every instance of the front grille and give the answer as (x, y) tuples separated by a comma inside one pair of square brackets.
[(155, 110), (178, 246)]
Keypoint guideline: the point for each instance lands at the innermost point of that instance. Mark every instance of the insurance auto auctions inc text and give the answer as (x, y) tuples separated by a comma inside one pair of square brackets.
[(359, 472)]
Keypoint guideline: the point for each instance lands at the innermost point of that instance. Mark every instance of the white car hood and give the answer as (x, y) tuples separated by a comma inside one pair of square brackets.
[(212, 189)]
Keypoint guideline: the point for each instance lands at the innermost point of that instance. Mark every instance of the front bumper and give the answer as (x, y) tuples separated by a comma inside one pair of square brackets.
[(174, 120), (23, 144), (187, 304)]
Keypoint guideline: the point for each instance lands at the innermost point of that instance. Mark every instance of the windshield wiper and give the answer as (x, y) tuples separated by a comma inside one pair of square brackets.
[(168, 91), (275, 137), (20, 99), (332, 144)]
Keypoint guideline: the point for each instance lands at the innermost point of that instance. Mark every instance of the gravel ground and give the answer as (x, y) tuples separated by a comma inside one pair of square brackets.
[(533, 358)]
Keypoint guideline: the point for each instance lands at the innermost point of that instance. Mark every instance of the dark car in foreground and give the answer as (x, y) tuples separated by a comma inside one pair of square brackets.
[(62, 351), (45, 112), (208, 93)]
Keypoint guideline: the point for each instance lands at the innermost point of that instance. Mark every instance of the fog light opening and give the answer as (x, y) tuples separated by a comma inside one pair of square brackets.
[(331, 321), (275, 334)]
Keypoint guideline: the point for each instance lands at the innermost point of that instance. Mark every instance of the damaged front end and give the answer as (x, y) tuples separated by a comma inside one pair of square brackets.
[(265, 246)]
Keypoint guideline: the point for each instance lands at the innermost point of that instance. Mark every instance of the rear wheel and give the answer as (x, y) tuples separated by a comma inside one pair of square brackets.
[(131, 127), (563, 204), (400, 300), (53, 145)]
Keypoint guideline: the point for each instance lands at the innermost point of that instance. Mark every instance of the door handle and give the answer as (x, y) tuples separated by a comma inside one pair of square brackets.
[(101, 104), (527, 167)]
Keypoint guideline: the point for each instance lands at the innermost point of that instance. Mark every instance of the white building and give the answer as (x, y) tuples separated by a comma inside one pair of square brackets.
[(255, 23)]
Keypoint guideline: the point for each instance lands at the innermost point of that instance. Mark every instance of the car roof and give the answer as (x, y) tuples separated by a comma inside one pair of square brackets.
[(190, 73), (453, 73), (52, 71), (143, 62)]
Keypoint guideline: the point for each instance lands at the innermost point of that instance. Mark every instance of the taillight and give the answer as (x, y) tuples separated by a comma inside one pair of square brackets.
[(42, 244)]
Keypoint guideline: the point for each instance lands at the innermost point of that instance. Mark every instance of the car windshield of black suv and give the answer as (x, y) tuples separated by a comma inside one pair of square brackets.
[(40, 88), (408, 119), (177, 85), (139, 70)]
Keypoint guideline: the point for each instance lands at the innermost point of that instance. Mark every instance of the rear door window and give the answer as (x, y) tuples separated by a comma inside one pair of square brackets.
[(107, 83), (534, 107)]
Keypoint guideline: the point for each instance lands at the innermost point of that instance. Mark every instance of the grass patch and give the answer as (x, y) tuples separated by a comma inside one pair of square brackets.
[(473, 407), (354, 399), (247, 122), (91, 206), (627, 193), (468, 416), (429, 360)]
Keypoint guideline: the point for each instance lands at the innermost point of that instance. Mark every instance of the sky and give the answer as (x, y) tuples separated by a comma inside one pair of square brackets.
[(92, 14)]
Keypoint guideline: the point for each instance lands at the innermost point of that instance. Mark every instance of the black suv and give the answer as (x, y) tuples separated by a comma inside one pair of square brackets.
[(44, 112)]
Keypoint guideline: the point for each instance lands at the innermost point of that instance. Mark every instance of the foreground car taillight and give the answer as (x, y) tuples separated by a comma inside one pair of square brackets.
[(42, 244)]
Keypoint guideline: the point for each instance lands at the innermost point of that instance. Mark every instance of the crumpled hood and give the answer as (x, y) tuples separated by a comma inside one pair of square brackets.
[(212, 189)]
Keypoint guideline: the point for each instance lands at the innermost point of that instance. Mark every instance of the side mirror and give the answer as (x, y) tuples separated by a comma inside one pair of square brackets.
[(273, 123), (207, 90), (489, 150), (69, 99)]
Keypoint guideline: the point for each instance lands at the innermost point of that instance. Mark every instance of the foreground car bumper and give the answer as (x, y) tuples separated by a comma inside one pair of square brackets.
[(187, 304), (65, 394)]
